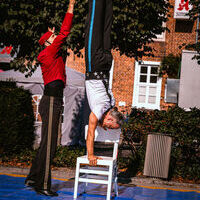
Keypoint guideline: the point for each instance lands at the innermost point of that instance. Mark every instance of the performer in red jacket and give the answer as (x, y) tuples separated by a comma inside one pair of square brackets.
[(53, 72)]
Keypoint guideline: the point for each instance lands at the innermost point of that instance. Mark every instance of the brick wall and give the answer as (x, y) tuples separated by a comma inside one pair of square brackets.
[(75, 62), (124, 67), (179, 33), (123, 80)]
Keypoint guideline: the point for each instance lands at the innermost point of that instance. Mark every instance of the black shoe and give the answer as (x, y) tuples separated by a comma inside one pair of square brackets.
[(46, 192), (29, 183)]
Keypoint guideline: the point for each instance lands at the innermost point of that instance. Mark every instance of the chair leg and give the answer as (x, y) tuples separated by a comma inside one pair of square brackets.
[(76, 180), (85, 184), (109, 183), (116, 186), (115, 179)]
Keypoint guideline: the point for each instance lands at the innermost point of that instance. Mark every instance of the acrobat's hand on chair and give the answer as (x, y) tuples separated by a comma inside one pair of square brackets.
[(93, 160)]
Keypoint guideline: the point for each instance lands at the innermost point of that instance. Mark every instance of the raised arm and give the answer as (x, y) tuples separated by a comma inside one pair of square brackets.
[(65, 29), (93, 121), (71, 6), (67, 22)]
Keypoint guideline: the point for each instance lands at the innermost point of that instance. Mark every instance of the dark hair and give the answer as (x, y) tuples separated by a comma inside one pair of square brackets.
[(117, 115)]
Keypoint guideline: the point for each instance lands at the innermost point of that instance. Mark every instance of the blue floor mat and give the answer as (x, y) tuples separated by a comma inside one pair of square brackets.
[(12, 188)]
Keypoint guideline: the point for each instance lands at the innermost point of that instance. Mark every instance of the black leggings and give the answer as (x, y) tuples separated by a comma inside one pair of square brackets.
[(98, 55)]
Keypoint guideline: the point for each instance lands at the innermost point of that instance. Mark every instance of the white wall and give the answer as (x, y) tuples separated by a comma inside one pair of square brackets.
[(189, 90)]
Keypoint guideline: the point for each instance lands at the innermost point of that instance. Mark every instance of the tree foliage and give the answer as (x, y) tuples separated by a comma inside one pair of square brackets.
[(194, 14), (16, 119), (135, 25), (170, 64)]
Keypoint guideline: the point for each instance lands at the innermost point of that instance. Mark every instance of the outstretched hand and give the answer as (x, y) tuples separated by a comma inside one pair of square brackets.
[(51, 29), (71, 6), (72, 1)]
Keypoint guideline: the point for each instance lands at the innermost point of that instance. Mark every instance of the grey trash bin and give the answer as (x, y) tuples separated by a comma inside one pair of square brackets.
[(157, 157)]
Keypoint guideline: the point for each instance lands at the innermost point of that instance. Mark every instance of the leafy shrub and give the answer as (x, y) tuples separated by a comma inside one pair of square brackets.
[(184, 127), (66, 156), (170, 64), (23, 158), (16, 119)]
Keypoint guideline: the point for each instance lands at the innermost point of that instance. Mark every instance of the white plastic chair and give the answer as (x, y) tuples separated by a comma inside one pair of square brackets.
[(107, 166)]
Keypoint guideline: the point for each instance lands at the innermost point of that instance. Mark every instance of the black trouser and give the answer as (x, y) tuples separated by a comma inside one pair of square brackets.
[(98, 55), (50, 110)]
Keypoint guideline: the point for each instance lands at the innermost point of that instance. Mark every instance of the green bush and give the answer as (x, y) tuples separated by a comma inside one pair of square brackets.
[(170, 64), (184, 127), (23, 158), (16, 119), (66, 156)]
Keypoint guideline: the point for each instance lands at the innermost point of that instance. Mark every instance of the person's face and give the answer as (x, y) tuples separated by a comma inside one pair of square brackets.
[(50, 40), (110, 122)]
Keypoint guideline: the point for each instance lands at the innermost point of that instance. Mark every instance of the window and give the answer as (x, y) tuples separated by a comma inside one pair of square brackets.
[(147, 85), (184, 26), (161, 37), (36, 101)]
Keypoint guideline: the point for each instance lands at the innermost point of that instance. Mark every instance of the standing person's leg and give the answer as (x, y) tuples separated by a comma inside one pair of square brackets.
[(49, 148), (50, 109), (44, 112)]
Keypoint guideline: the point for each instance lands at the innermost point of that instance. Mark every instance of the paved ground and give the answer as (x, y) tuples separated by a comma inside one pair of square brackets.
[(12, 187), (65, 173)]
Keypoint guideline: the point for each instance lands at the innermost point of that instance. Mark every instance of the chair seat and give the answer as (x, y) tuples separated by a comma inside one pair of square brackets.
[(106, 161)]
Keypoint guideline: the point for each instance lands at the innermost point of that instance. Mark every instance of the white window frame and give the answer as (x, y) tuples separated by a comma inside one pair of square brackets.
[(136, 88), (161, 37), (37, 102)]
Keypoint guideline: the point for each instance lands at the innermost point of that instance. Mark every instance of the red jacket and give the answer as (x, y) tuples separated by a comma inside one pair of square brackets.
[(52, 64)]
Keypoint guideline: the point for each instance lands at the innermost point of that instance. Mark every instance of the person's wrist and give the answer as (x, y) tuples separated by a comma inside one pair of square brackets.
[(71, 4), (70, 8)]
